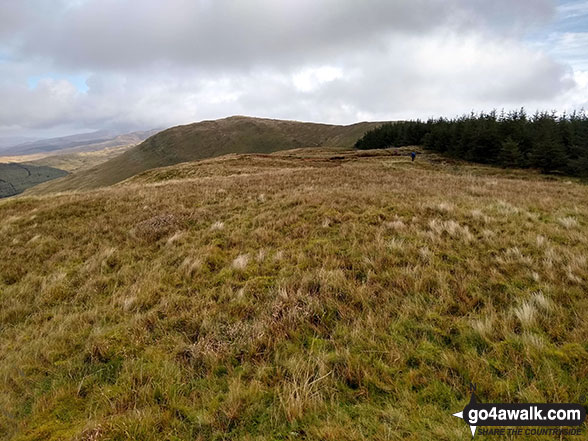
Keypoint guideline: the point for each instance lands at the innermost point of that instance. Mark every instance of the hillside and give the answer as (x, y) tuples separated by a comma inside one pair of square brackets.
[(16, 178), (85, 154), (85, 142), (210, 139), (310, 294), (7, 142), (76, 161)]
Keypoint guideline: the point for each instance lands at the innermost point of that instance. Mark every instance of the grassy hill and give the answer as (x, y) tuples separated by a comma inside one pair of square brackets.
[(312, 294), (208, 139), (86, 142), (65, 154), (16, 178), (77, 161)]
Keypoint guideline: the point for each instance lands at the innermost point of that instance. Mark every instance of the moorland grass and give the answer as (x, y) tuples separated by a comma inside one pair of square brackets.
[(291, 296)]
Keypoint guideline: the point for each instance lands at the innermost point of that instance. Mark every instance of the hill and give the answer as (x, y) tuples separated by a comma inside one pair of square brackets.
[(77, 161), (81, 156), (84, 142), (9, 141), (312, 294), (23, 171), (16, 178), (210, 139)]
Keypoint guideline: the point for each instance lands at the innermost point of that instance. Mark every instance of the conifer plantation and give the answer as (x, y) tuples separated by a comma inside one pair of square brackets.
[(546, 141)]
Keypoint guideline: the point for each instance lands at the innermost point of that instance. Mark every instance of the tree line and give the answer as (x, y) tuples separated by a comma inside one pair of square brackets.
[(546, 141)]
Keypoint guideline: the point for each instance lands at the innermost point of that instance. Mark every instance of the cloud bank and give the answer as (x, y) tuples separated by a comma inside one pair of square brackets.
[(71, 65)]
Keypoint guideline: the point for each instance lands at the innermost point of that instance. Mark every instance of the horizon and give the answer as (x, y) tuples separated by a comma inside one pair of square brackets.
[(114, 132), (557, 113)]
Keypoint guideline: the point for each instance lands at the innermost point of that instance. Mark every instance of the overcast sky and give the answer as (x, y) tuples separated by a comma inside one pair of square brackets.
[(69, 66)]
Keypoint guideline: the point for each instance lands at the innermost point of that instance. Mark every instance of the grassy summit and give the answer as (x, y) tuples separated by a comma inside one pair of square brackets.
[(303, 295), (208, 139)]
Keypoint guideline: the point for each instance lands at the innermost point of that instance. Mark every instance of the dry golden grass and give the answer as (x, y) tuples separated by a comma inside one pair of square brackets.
[(318, 294), (70, 162)]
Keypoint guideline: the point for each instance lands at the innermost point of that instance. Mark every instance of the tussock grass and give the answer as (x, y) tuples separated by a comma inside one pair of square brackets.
[(290, 296), (568, 222)]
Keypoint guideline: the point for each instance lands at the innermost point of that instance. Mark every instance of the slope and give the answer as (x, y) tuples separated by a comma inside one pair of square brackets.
[(74, 162), (301, 295), (85, 142), (210, 139)]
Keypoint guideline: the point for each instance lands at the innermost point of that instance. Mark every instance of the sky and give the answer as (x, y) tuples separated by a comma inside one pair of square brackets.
[(72, 66)]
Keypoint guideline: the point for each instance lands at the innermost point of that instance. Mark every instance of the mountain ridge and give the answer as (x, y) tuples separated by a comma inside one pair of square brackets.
[(79, 142)]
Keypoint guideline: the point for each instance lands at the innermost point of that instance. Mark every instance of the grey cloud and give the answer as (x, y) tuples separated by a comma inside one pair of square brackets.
[(224, 34), (153, 64)]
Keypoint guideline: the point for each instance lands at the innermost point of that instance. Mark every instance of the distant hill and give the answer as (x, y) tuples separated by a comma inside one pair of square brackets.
[(16, 178), (207, 139), (79, 143), (7, 142), (76, 161)]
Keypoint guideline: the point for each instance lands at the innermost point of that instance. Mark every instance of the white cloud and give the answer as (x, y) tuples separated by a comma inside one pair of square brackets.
[(573, 9), (569, 47), (311, 78), (153, 64)]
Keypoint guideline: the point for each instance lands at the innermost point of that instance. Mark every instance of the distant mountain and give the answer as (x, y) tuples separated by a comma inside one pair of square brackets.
[(16, 178), (207, 139), (63, 142), (10, 141), (77, 143), (74, 161)]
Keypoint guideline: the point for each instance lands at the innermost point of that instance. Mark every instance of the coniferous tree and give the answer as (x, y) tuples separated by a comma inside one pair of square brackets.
[(510, 153), (548, 152), (513, 139)]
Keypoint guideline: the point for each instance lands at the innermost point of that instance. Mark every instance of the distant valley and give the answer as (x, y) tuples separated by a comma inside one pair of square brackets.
[(28, 164), (84, 142)]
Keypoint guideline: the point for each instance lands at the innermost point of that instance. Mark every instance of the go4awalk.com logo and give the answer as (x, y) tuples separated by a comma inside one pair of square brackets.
[(499, 418)]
